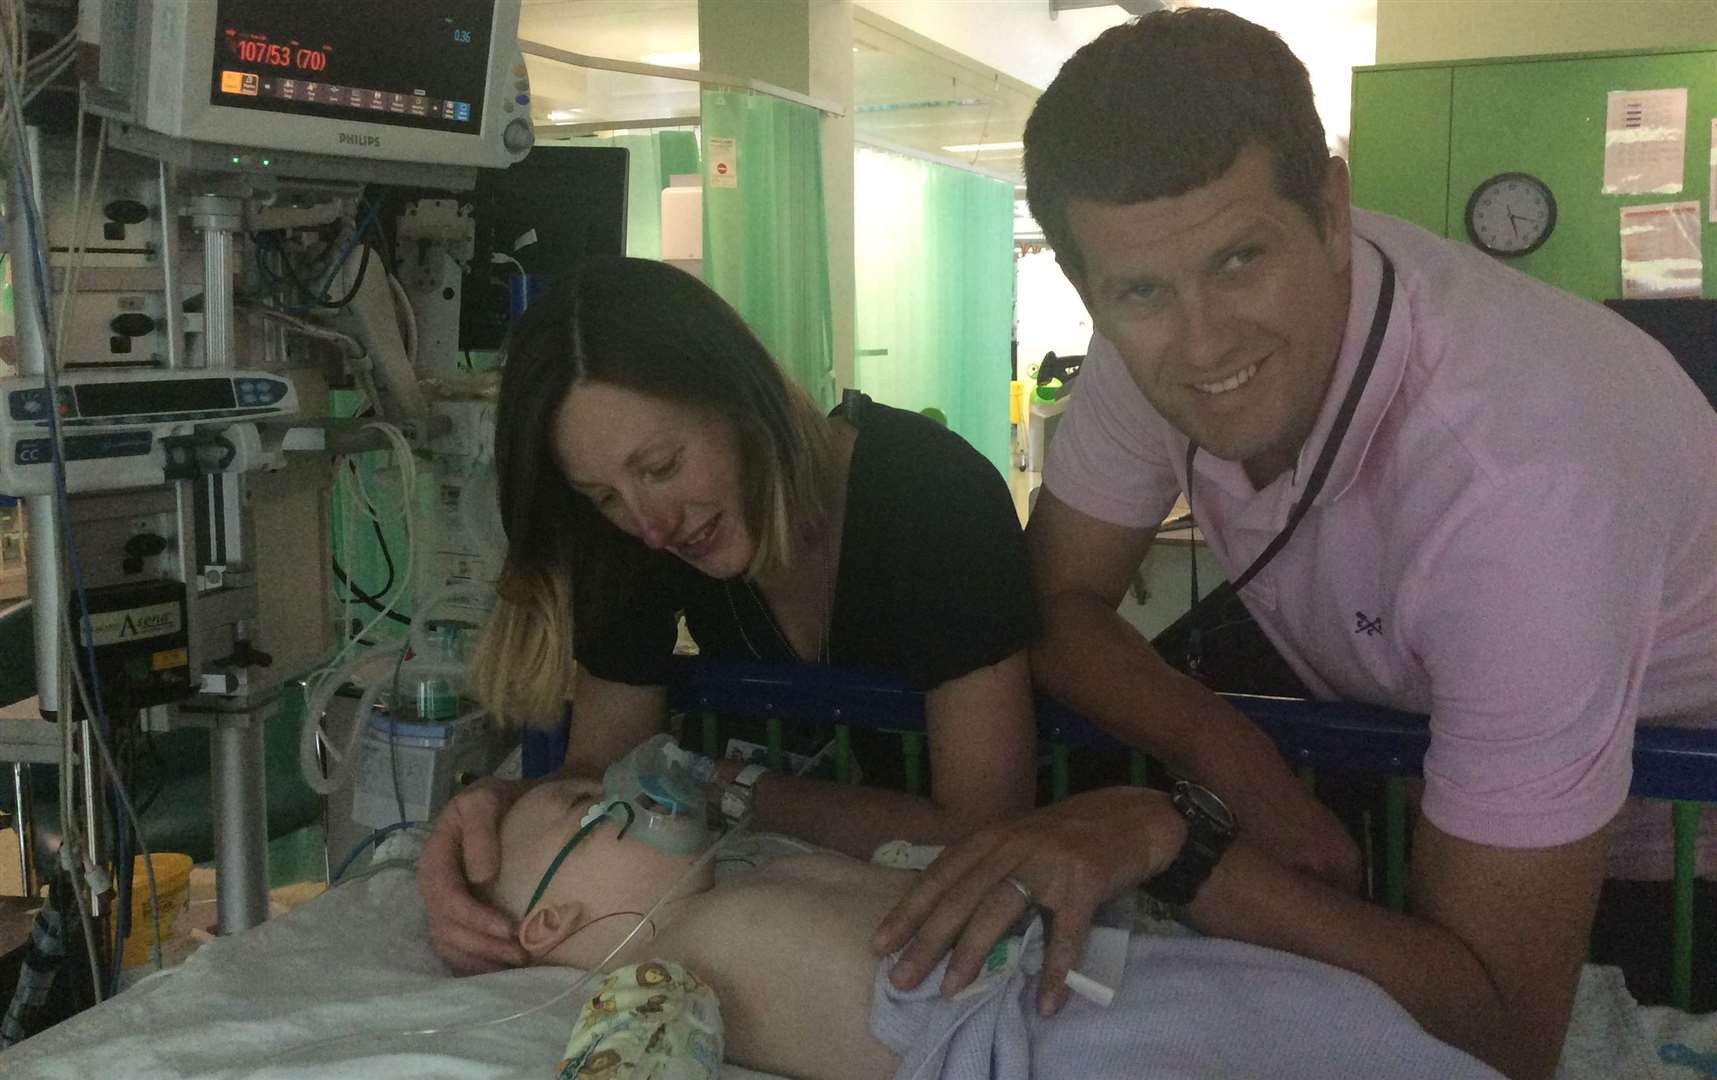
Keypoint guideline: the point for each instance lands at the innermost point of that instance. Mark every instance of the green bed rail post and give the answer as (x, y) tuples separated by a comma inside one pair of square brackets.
[(912, 760), (1058, 772), (711, 736), (1138, 769), (843, 754), (1686, 818), (1395, 843), (777, 743)]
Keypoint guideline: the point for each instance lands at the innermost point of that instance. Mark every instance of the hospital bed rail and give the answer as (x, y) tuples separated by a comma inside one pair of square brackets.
[(1675, 764)]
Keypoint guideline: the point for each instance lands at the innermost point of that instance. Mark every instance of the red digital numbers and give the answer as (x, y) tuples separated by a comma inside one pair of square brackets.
[(253, 51)]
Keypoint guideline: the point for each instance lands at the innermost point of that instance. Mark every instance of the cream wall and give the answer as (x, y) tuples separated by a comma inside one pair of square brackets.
[(767, 40), (1414, 30), (1016, 37)]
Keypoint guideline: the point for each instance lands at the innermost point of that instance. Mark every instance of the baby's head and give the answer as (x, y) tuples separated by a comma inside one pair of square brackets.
[(582, 912)]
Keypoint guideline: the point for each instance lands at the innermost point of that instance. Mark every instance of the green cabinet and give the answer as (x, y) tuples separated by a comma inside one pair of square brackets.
[(1425, 135), (1400, 143)]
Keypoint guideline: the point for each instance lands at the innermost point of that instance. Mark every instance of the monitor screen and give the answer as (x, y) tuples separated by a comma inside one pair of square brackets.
[(557, 206), (408, 64), (149, 396), (1686, 327)]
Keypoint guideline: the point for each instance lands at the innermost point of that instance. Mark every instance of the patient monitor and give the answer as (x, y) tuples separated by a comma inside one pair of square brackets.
[(319, 87)]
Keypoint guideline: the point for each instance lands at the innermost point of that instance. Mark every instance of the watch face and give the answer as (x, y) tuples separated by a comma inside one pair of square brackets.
[(1207, 803), (1510, 214)]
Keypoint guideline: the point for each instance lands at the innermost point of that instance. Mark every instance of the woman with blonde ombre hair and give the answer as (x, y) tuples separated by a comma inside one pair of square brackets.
[(654, 461)]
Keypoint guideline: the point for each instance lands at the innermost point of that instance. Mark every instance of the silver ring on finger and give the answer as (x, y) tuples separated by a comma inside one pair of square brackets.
[(1024, 892)]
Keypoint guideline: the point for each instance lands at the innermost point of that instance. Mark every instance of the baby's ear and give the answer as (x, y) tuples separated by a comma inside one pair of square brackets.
[(548, 926)]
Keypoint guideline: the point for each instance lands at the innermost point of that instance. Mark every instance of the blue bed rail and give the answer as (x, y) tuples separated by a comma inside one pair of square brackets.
[(1669, 763)]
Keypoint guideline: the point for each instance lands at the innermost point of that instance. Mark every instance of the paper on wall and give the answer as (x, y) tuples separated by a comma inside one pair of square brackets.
[(1660, 251), (1645, 140), (723, 162)]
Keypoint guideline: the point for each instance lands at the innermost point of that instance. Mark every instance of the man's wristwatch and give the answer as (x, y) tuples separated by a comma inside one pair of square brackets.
[(736, 798), (1210, 828)]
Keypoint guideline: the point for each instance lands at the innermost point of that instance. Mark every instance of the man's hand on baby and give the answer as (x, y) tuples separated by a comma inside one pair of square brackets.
[(1071, 857), (465, 850)]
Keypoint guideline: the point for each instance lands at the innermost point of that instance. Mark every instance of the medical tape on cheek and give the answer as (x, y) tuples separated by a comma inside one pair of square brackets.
[(593, 817)]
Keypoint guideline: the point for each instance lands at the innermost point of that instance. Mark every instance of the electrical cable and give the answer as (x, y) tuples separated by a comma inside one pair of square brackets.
[(375, 868), (364, 597), (88, 933), (270, 241), (406, 316), (370, 596), (352, 475), (43, 68), (375, 837), (348, 624), (387, 556), (122, 897), (358, 592), (357, 283), (408, 489), (160, 765), (321, 295), (353, 348), (393, 732)]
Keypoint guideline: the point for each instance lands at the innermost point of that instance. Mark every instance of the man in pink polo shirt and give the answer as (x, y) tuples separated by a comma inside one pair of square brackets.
[(1439, 485)]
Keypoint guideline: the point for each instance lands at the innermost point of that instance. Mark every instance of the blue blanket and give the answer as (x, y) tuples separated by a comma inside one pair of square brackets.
[(1187, 1007)]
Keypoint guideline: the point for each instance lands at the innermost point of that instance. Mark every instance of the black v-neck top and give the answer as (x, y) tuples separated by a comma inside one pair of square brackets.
[(933, 580)]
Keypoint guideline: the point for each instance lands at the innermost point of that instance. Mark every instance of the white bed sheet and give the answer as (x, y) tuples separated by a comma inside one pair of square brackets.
[(356, 961)]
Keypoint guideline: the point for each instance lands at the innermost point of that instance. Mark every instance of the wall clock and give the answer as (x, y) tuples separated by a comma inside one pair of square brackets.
[(1511, 214)]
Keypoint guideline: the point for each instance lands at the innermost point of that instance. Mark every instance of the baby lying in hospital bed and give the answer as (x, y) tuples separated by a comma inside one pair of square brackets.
[(785, 949), (348, 986)]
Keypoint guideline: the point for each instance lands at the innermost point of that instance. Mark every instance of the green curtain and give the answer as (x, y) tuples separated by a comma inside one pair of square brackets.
[(934, 307), (654, 156), (766, 247)]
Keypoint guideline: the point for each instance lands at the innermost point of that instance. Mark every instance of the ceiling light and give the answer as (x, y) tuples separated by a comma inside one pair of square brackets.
[(983, 147), (672, 59), (564, 116)]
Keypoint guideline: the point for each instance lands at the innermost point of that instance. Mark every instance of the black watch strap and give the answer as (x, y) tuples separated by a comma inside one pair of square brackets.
[(1207, 837)]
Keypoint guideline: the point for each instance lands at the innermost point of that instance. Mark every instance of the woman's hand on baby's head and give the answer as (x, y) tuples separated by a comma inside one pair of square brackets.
[(463, 850)]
